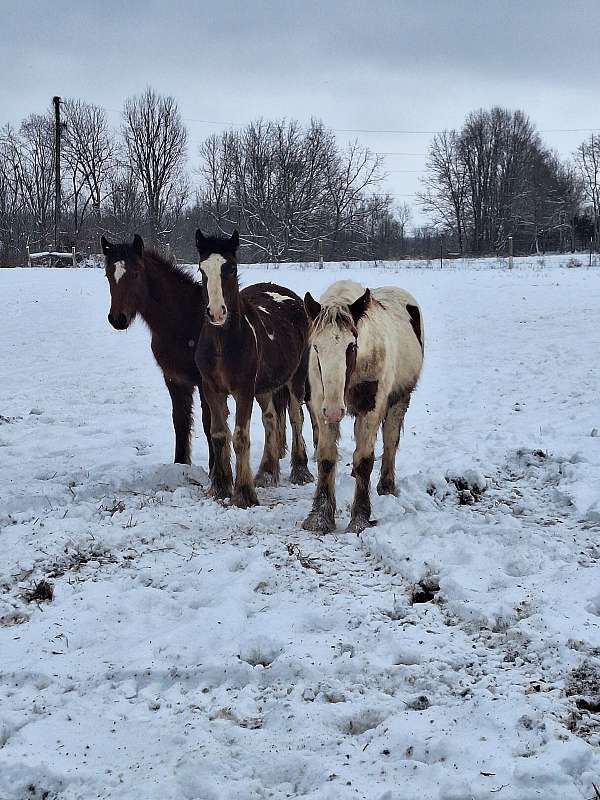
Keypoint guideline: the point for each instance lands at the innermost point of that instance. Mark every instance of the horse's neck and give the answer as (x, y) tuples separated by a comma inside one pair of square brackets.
[(167, 299), (238, 306)]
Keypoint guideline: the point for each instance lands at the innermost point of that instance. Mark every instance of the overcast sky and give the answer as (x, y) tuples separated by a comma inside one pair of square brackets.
[(408, 65)]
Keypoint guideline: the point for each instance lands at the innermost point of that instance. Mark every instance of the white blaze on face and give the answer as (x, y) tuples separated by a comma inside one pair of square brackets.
[(329, 346), (216, 303), (119, 270)]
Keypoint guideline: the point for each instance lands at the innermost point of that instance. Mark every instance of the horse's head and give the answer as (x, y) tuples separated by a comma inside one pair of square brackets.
[(124, 270), (334, 344), (218, 265)]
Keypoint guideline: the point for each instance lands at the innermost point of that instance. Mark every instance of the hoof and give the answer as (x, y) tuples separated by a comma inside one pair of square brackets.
[(265, 479), (358, 524), (318, 523), (244, 497), (386, 487), (301, 476), (219, 492)]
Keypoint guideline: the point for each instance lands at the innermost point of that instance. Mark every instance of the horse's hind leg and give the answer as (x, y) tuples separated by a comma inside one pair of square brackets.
[(221, 477), (365, 434), (300, 474), (280, 401), (244, 493), (268, 471), (392, 426), (182, 400)]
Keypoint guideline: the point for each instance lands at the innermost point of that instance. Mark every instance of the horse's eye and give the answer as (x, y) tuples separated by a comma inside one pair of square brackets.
[(315, 348)]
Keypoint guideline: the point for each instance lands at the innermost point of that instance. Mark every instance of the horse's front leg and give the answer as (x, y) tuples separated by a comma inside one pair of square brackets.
[(205, 408), (244, 494), (221, 478), (322, 515), (365, 435), (182, 401)]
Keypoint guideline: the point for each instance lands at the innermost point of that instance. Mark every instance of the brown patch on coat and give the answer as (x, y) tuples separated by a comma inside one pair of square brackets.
[(415, 321), (360, 398)]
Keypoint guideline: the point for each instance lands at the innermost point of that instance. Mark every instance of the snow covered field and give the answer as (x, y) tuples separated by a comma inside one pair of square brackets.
[(198, 652)]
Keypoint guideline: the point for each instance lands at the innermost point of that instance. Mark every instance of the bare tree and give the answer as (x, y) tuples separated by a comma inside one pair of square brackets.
[(155, 140), (289, 188), (445, 185), (493, 179), (587, 161), (89, 151), (28, 158)]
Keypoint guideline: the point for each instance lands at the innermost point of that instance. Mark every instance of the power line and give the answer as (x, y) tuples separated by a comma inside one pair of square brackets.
[(390, 131)]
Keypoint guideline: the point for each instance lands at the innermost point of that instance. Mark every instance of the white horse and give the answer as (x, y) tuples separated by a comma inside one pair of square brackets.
[(366, 354)]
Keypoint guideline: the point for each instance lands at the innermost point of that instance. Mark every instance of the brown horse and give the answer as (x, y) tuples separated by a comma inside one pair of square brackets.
[(253, 343), (171, 304)]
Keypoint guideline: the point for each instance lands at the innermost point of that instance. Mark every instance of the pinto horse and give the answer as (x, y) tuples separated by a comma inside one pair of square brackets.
[(171, 303), (365, 359), (252, 344)]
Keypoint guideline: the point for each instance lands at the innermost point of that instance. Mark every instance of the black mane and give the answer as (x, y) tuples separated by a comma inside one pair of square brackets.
[(156, 260)]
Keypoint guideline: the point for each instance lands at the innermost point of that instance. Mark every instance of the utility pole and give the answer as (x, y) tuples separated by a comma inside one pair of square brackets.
[(510, 252), (57, 192), (442, 251)]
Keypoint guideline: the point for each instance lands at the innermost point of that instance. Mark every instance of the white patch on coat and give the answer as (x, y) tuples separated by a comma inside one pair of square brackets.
[(279, 298), (271, 336), (211, 267), (119, 270), (252, 328), (263, 309)]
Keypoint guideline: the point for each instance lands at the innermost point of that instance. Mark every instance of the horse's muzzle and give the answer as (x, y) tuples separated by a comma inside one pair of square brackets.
[(217, 316), (333, 414), (118, 321)]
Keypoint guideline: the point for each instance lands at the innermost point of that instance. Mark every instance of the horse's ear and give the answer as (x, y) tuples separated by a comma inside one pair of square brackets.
[(235, 240), (313, 309), (359, 307), (138, 245), (106, 245), (199, 239)]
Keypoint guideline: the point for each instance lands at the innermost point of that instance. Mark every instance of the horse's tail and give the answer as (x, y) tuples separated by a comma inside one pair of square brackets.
[(281, 398)]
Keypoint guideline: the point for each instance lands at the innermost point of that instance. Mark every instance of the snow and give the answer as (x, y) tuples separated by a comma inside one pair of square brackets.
[(193, 650)]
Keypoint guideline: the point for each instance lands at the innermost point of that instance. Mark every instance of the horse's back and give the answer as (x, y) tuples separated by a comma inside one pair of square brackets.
[(278, 308), (280, 324), (403, 307), (342, 292)]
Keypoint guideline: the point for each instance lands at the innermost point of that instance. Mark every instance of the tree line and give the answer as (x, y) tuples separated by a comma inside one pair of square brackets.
[(293, 191), (494, 179)]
